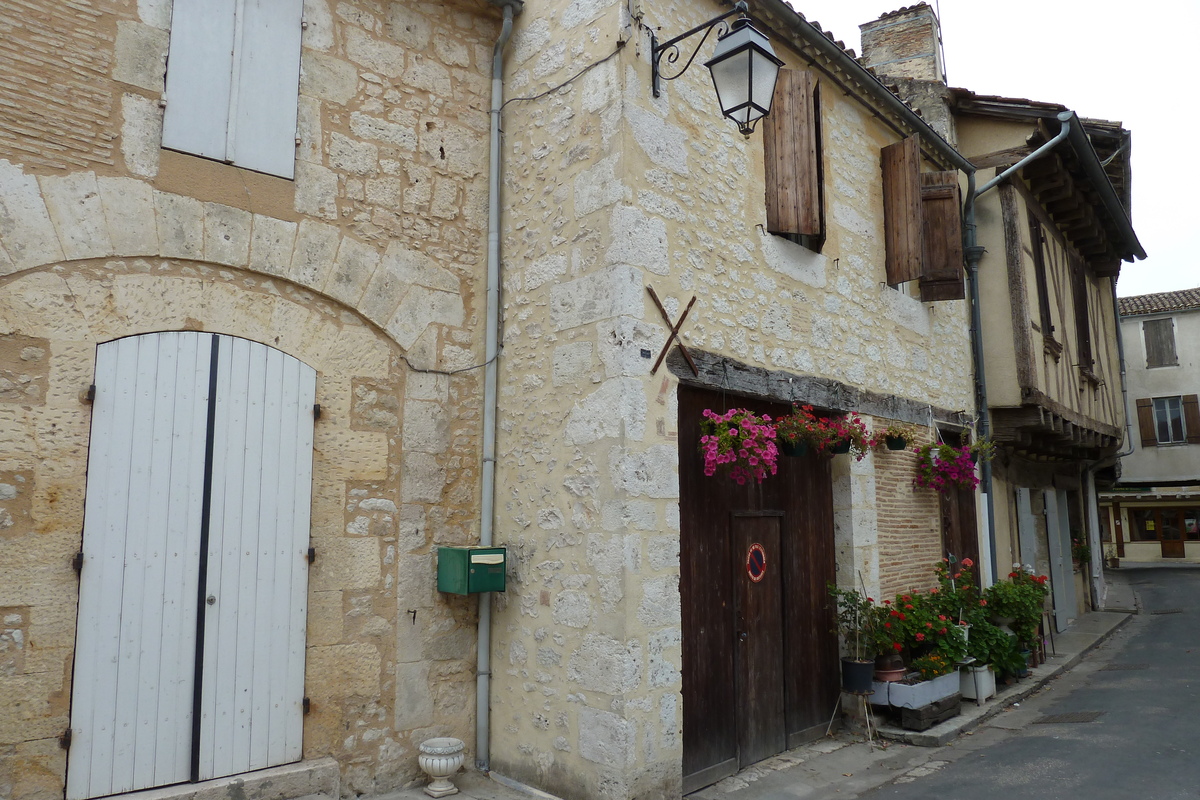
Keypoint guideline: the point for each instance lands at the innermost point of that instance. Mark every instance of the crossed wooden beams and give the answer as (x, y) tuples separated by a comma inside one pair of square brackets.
[(674, 337)]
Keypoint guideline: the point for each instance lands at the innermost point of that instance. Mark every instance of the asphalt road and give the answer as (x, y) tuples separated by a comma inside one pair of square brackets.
[(1135, 732)]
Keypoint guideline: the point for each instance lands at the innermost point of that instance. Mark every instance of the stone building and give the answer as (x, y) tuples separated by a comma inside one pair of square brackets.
[(1153, 511), (1054, 233), (319, 210)]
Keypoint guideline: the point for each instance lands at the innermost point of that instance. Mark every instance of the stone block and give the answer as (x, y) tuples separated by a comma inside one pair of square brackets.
[(129, 214), (638, 239), (598, 187), (354, 265), (140, 55), (573, 608), (653, 472), (603, 664), (608, 293), (616, 409), (318, 33), (660, 605), (327, 78), (180, 226), (365, 126), (421, 308), (77, 212), (414, 700), (316, 246), (309, 129), (375, 54), (271, 243), (426, 427), (606, 738), (316, 190), (141, 134), (572, 363), (325, 621), (351, 155), (622, 340), (26, 232), (226, 235), (423, 479), (24, 378), (343, 670)]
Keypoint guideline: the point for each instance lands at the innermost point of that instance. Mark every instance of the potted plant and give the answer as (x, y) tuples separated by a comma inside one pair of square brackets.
[(858, 624), (898, 436), (741, 441), (1110, 556), (944, 467), (848, 434), (1081, 553), (802, 432), (982, 450)]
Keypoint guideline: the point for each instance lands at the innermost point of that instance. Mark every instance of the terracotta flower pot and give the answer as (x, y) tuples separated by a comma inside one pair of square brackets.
[(893, 674)]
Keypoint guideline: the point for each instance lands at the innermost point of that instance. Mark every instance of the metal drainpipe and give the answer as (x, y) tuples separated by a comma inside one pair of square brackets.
[(974, 253), (483, 672)]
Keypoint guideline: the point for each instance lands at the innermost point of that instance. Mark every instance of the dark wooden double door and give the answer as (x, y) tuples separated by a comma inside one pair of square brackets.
[(760, 660)]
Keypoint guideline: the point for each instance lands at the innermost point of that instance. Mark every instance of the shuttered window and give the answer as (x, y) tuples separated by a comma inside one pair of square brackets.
[(233, 75), (792, 160), (941, 238), (1169, 420), (902, 224), (1159, 335), (1083, 328)]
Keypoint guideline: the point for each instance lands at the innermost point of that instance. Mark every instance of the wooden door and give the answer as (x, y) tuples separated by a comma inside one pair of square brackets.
[(801, 674), (1170, 536), (758, 620), (165, 539), (960, 531)]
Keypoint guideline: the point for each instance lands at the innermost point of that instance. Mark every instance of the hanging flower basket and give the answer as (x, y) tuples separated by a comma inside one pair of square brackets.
[(741, 441), (898, 436), (825, 435), (944, 467)]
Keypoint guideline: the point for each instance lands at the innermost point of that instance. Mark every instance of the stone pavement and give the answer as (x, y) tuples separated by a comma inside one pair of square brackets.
[(844, 764)]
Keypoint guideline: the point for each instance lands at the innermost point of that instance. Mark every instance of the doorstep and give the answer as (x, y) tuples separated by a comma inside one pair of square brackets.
[(1071, 645), (317, 779)]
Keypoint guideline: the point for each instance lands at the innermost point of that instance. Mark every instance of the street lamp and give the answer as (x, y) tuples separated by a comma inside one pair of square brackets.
[(744, 67)]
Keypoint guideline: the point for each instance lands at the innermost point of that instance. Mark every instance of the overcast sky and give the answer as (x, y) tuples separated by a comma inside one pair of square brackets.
[(1116, 61)]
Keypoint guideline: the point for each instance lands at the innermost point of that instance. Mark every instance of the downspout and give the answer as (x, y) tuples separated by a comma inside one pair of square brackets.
[(1098, 587), (974, 253), (483, 671)]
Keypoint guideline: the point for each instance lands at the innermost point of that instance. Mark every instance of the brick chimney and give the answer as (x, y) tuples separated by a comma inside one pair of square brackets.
[(905, 44)]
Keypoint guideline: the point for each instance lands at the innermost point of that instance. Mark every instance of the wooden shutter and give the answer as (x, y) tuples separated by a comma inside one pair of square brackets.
[(941, 238), (199, 70), (1191, 418), (1145, 415), (266, 85), (792, 156), (901, 165), (1159, 336)]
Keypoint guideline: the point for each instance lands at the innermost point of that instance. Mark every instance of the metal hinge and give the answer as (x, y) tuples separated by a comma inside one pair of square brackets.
[(307, 705), (64, 741), (316, 410), (312, 554), (77, 562), (91, 393)]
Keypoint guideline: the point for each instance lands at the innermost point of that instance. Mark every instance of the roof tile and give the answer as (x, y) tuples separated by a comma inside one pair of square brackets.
[(1182, 300)]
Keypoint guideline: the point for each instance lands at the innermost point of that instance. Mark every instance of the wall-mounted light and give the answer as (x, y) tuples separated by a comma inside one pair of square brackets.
[(744, 67)]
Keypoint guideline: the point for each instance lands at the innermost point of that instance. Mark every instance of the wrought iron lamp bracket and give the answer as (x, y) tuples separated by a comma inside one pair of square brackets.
[(670, 48)]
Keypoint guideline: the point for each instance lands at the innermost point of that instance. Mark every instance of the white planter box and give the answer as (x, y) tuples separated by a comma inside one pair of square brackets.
[(922, 694), (977, 683)]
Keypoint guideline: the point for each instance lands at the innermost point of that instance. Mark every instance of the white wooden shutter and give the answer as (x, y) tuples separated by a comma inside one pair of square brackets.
[(199, 74), (1026, 534), (1062, 575), (134, 662), (257, 561), (266, 86)]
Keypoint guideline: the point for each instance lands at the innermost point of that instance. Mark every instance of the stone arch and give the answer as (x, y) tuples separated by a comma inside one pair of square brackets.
[(387, 483), (80, 216)]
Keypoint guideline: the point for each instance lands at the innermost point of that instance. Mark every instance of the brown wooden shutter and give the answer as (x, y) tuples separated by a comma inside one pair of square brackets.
[(792, 168), (901, 164), (1145, 415), (1191, 418), (941, 238)]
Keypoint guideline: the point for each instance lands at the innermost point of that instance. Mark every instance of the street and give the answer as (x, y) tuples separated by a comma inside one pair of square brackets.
[(1122, 724)]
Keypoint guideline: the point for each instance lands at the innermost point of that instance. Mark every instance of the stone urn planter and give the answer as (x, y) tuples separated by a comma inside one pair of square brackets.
[(440, 758)]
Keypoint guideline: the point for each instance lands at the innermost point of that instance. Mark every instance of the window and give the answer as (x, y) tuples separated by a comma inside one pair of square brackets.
[(1083, 330), (1170, 523), (795, 190), (922, 224), (1159, 336), (233, 77), (1037, 239), (1169, 420)]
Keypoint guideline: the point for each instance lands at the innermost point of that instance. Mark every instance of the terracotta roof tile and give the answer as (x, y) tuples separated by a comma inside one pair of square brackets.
[(1182, 300)]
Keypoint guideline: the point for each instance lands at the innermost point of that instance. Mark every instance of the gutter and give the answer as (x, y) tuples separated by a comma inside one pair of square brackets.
[(483, 671)]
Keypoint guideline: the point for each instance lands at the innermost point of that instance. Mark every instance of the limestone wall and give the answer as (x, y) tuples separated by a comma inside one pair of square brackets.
[(368, 267), (610, 191)]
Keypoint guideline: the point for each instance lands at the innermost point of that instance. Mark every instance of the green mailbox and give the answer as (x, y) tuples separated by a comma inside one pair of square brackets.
[(467, 570)]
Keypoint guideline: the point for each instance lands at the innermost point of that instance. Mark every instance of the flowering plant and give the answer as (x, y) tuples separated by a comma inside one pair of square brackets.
[(822, 434), (740, 439), (859, 623), (1021, 598), (897, 431), (944, 467), (932, 666), (982, 449)]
